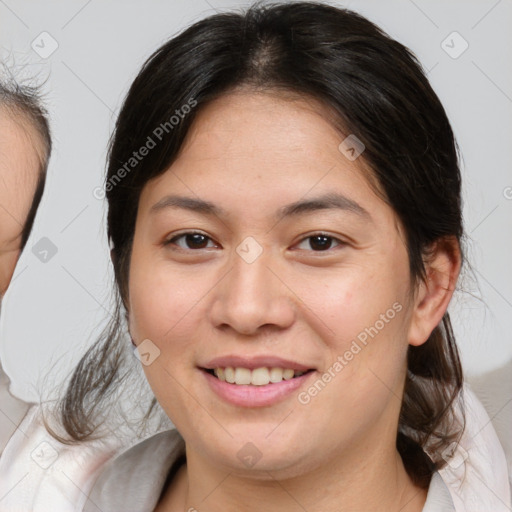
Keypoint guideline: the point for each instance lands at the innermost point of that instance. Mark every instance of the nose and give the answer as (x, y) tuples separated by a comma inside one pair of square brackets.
[(252, 298)]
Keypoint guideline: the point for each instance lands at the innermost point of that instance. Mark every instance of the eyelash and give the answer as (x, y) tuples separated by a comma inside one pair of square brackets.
[(172, 240)]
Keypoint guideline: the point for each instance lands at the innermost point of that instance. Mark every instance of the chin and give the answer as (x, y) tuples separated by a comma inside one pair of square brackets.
[(253, 454)]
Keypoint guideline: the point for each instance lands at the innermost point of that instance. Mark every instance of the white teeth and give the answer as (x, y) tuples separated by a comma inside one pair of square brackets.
[(229, 374), (260, 377), (257, 377), (242, 376), (276, 374), (288, 374)]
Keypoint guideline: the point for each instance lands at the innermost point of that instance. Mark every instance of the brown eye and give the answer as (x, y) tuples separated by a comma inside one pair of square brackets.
[(191, 241), (319, 242)]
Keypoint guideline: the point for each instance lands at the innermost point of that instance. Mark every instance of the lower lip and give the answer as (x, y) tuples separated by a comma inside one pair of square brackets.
[(255, 396)]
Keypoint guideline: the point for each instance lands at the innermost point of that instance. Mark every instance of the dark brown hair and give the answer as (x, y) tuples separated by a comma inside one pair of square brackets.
[(376, 89)]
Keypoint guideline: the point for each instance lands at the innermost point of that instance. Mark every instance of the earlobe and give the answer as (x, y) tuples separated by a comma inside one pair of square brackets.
[(435, 292)]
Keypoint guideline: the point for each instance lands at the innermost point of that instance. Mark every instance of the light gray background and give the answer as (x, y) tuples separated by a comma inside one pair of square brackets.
[(54, 308)]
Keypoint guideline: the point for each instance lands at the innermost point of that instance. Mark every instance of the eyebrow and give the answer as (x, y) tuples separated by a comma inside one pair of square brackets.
[(327, 201), (187, 203)]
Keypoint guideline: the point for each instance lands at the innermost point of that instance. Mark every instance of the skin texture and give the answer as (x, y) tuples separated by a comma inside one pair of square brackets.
[(19, 170), (20, 147), (251, 154)]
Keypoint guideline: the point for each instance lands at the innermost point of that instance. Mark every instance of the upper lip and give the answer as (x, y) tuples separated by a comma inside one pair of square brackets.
[(254, 362)]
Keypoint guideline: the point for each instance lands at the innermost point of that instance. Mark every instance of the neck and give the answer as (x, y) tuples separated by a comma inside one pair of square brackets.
[(354, 482)]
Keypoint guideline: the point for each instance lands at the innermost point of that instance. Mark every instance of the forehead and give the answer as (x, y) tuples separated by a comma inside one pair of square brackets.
[(20, 145), (263, 142), (246, 121), (19, 170)]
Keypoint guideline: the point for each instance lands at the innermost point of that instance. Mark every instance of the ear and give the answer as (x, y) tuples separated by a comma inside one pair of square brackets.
[(434, 294)]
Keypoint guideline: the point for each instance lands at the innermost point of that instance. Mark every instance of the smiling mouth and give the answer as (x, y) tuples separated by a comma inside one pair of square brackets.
[(257, 377)]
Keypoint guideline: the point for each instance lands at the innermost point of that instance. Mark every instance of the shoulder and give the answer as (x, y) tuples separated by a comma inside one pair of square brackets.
[(13, 410), (476, 472), (136, 477), (39, 473), (438, 498)]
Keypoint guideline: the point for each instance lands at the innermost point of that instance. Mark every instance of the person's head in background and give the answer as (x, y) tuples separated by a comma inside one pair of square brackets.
[(25, 146)]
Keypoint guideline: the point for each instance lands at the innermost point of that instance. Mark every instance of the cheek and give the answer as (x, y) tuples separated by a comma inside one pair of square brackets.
[(351, 303), (362, 380), (362, 319), (160, 297), (164, 307)]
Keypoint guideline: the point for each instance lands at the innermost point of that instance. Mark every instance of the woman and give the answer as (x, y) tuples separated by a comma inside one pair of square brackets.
[(285, 220)]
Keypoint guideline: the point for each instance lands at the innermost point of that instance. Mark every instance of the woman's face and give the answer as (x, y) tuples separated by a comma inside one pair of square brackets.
[(296, 264)]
